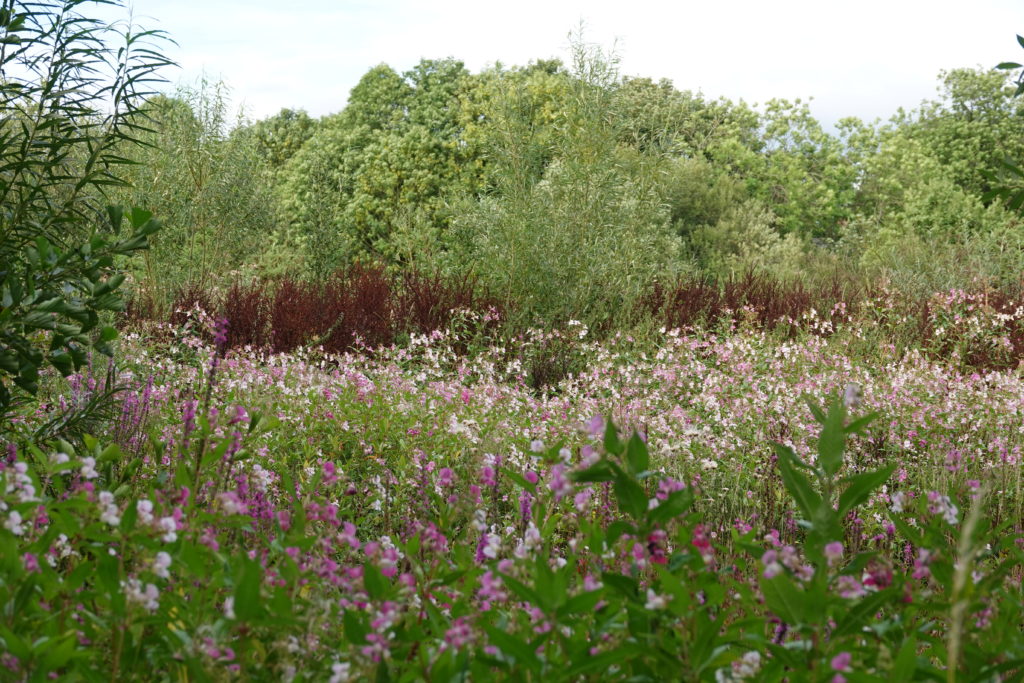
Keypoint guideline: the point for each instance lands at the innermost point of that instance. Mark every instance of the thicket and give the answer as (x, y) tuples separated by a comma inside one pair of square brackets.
[(568, 189)]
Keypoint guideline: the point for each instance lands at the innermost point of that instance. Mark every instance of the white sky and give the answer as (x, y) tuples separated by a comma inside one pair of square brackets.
[(860, 58)]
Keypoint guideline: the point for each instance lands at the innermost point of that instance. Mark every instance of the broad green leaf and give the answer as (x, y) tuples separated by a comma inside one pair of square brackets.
[(612, 444), (373, 579), (832, 440), (637, 456), (784, 599), (512, 646), (860, 486), (799, 487), (248, 603), (631, 496)]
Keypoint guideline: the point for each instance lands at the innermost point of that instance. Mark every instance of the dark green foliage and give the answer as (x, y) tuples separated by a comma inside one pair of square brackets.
[(70, 101), (382, 168)]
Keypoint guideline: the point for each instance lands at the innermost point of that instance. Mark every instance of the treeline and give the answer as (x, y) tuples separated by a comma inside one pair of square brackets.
[(566, 190)]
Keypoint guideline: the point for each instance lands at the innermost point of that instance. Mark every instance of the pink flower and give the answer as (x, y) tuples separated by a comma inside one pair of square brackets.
[(30, 562), (834, 553), (841, 662)]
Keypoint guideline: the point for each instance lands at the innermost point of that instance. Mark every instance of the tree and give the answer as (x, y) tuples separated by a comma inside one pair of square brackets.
[(393, 156), (208, 186)]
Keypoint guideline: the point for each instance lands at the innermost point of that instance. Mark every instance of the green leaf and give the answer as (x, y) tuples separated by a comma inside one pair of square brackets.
[(675, 505), (248, 603), (583, 603), (637, 456), (598, 472), (784, 599), (1008, 65), (373, 579), (860, 487), (57, 655), (631, 496), (861, 613), (857, 426), (512, 646), (602, 661), (832, 440), (616, 529), (815, 409), (519, 479), (522, 590), (623, 584), (612, 444), (796, 483), (139, 217), (905, 663), (355, 626)]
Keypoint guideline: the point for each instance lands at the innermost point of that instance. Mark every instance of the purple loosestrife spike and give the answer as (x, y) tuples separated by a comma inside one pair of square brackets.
[(220, 335), (852, 396)]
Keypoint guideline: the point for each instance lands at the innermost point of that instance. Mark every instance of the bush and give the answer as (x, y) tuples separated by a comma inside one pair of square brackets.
[(70, 101)]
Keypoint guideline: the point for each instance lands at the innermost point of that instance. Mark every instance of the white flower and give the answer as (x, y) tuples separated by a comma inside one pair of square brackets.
[(493, 546), (655, 601), (89, 468), (109, 514), (144, 508), (14, 523), (340, 671), (161, 564), (148, 597), (170, 529), (229, 608)]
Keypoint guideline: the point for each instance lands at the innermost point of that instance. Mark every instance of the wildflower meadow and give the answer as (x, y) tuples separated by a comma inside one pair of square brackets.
[(537, 374)]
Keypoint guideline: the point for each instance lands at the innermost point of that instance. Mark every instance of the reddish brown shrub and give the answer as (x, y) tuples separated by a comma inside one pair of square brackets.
[(358, 306), (295, 315), (247, 309)]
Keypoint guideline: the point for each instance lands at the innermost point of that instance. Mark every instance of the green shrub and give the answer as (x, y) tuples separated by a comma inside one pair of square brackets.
[(70, 102)]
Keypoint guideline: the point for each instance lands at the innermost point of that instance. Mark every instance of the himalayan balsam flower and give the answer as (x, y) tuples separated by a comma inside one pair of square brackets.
[(30, 562), (852, 396), (834, 553), (109, 512), (88, 470), (148, 597), (655, 601), (559, 484), (161, 563), (14, 524), (144, 508), (229, 608), (170, 529), (340, 672), (850, 588)]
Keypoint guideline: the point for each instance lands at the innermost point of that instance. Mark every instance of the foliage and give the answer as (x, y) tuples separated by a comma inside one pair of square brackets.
[(581, 215), (70, 102), (205, 184), (577, 554), (395, 149)]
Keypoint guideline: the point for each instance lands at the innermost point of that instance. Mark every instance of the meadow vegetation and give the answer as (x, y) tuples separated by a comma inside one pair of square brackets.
[(538, 373)]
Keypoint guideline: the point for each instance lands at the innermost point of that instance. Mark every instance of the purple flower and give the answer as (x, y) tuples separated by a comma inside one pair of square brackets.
[(834, 553), (841, 662)]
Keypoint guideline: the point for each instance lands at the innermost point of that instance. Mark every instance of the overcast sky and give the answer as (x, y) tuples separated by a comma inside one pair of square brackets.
[(860, 58)]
